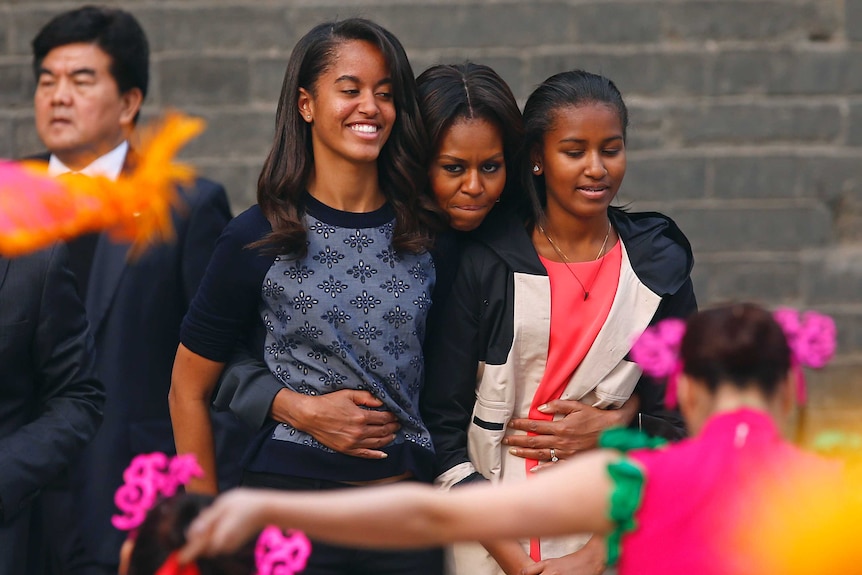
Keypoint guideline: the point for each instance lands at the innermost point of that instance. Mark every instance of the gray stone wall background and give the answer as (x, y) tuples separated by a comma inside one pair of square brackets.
[(746, 118)]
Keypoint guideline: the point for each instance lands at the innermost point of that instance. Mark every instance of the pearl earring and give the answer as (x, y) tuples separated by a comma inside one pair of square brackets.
[(308, 117), (536, 168)]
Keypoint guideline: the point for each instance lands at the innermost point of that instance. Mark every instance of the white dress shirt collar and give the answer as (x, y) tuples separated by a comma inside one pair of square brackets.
[(110, 165)]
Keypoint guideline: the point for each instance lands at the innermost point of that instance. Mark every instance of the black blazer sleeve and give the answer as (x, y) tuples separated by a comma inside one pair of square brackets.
[(50, 374), (451, 363), (248, 388)]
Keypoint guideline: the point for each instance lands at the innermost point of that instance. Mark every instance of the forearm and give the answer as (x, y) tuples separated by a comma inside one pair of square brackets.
[(192, 382), (416, 515), (509, 555), (412, 515), (193, 433)]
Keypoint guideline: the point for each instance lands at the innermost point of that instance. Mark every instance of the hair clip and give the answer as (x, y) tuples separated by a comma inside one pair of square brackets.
[(151, 476), (811, 337), (148, 477)]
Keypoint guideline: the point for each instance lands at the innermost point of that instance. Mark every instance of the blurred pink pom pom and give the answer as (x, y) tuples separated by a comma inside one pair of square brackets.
[(148, 477), (656, 350), (280, 554), (815, 342)]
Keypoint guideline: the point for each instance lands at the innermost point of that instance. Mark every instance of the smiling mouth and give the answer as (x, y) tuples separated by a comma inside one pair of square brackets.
[(364, 128)]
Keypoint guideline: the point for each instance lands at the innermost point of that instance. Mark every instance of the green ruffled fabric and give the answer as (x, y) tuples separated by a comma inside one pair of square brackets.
[(626, 497), (628, 479), (625, 439)]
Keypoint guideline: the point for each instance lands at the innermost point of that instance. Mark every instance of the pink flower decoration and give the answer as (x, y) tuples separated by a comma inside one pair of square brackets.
[(134, 500), (815, 342), (180, 471), (812, 340), (789, 321), (280, 554), (656, 350), (148, 477), (811, 337)]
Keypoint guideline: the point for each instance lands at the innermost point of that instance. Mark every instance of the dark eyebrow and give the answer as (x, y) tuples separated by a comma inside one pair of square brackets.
[(78, 72), (457, 159), (349, 78)]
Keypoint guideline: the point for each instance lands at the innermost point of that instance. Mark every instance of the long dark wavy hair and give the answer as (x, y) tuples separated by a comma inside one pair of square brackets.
[(564, 90), (449, 93), (290, 163)]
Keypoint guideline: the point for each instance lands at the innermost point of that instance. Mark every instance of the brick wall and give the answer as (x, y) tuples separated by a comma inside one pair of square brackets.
[(746, 117)]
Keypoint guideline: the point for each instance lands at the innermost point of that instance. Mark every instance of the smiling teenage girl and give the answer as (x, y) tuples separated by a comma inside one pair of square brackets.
[(333, 262), (544, 310)]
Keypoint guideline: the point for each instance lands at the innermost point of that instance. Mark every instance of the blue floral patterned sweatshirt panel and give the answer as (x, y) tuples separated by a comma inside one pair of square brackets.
[(351, 314)]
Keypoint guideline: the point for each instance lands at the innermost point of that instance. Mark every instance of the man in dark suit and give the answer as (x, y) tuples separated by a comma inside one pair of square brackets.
[(50, 400), (91, 67)]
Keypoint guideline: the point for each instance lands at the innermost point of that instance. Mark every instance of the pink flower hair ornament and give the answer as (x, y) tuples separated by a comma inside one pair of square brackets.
[(147, 478), (279, 553), (810, 335), (275, 553), (150, 477)]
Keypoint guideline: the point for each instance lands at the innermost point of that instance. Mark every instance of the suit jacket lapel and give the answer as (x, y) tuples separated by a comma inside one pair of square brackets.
[(4, 267), (109, 264)]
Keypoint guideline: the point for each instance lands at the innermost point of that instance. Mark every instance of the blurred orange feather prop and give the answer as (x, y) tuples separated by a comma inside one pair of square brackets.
[(37, 210)]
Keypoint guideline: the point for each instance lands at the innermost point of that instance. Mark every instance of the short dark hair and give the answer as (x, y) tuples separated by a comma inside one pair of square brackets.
[(401, 164), (740, 344), (163, 532), (449, 93), (115, 31)]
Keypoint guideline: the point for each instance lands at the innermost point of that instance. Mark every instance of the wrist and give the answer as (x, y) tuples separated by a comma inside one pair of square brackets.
[(287, 408), (628, 412)]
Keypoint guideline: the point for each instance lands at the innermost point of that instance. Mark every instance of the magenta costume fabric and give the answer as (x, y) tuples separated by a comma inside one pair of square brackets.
[(699, 491)]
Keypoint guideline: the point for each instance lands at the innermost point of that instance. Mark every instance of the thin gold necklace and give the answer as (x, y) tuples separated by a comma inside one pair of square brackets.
[(566, 260)]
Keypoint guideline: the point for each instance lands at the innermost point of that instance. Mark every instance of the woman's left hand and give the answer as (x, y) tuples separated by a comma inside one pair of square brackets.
[(578, 430)]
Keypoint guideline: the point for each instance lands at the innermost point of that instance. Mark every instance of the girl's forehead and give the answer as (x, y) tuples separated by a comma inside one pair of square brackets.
[(589, 114), (583, 111), (352, 51)]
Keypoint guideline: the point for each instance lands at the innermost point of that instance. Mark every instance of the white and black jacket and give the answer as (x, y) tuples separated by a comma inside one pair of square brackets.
[(487, 354)]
